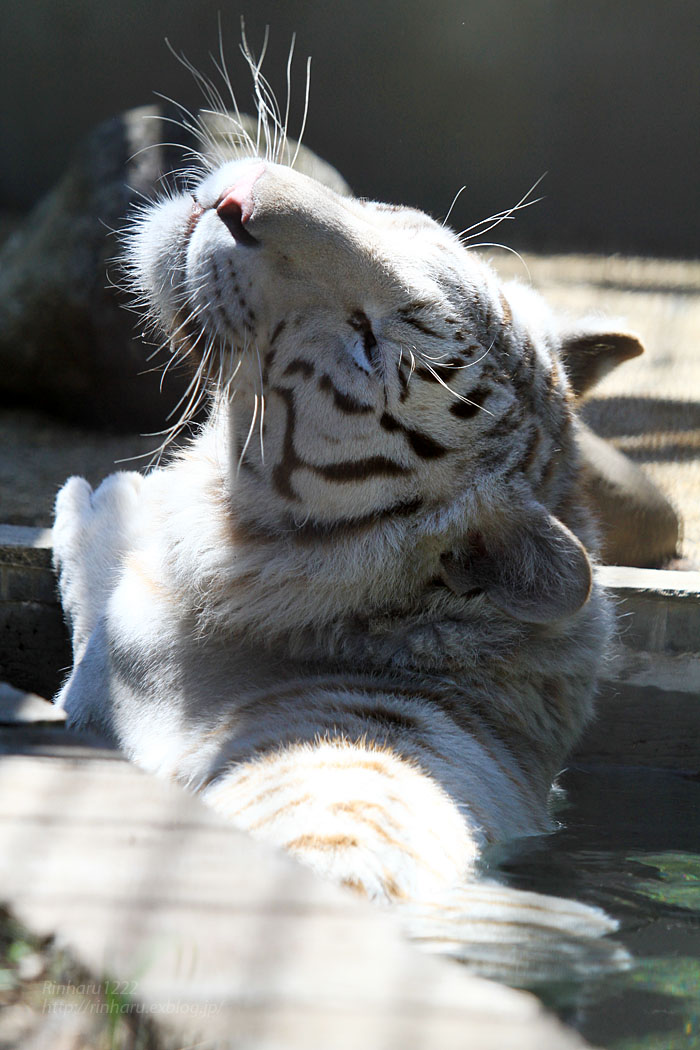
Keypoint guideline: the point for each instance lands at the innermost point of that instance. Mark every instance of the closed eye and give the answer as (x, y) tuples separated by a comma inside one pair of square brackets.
[(364, 349)]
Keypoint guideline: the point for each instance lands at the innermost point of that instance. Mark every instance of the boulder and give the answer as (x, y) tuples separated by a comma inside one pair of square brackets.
[(67, 344)]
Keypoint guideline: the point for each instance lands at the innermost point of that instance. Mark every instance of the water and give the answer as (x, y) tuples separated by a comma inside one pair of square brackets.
[(631, 844)]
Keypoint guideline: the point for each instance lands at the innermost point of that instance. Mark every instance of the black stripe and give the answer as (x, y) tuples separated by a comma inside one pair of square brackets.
[(422, 444), (298, 365), (343, 402), (267, 364), (468, 409), (531, 451), (435, 373), (403, 380), (359, 469), (389, 423), (506, 425), (385, 716), (350, 470), (408, 316), (277, 332), (282, 472), (317, 530), (423, 328)]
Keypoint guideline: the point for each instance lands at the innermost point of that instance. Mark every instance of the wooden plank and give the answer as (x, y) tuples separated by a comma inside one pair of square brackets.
[(221, 938)]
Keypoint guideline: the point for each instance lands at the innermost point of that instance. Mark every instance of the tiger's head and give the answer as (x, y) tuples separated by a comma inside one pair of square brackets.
[(375, 370)]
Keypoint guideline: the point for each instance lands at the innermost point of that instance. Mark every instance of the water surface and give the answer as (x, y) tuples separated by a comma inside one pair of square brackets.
[(631, 844)]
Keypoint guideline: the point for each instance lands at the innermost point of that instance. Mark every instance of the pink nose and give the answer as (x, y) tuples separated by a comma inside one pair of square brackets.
[(237, 203)]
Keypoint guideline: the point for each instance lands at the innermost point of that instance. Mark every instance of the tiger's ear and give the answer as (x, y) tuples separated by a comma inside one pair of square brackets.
[(589, 356), (535, 570)]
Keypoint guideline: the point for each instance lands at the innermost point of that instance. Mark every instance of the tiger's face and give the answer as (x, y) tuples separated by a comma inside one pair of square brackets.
[(377, 365)]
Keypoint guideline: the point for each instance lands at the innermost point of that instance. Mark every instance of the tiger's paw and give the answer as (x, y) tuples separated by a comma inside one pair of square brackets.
[(92, 530)]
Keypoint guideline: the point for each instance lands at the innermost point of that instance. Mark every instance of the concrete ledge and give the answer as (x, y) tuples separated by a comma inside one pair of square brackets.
[(658, 610), (625, 580), (24, 544)]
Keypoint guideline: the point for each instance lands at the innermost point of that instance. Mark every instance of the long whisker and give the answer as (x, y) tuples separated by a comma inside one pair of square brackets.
[(223, 70), (456, 197), (441, 381), (290, 57), (486, 353), (499, 217), (505, 248), (413, 367), (191, 391), (306, 112), (250, 432), (189, 152), (262, 407)]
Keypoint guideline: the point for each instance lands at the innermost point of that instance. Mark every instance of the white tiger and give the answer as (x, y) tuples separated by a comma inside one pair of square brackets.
[(358, 612)]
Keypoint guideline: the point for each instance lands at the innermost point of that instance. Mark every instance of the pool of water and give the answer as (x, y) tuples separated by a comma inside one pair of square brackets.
[(630, 842)]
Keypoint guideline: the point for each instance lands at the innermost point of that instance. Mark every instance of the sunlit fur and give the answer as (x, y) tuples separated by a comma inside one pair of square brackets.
[(356, 612)]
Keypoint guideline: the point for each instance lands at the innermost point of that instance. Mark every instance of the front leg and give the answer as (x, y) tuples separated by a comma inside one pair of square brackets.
[(92, 532)]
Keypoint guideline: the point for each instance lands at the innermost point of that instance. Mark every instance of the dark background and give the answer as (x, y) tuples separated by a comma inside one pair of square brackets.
[(409, 100)]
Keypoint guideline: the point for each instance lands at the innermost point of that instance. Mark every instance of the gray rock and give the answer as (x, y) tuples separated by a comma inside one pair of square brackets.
[(66, 342)]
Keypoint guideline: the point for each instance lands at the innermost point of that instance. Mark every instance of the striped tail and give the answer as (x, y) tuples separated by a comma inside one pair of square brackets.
[(522, 939), (376, 823)]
